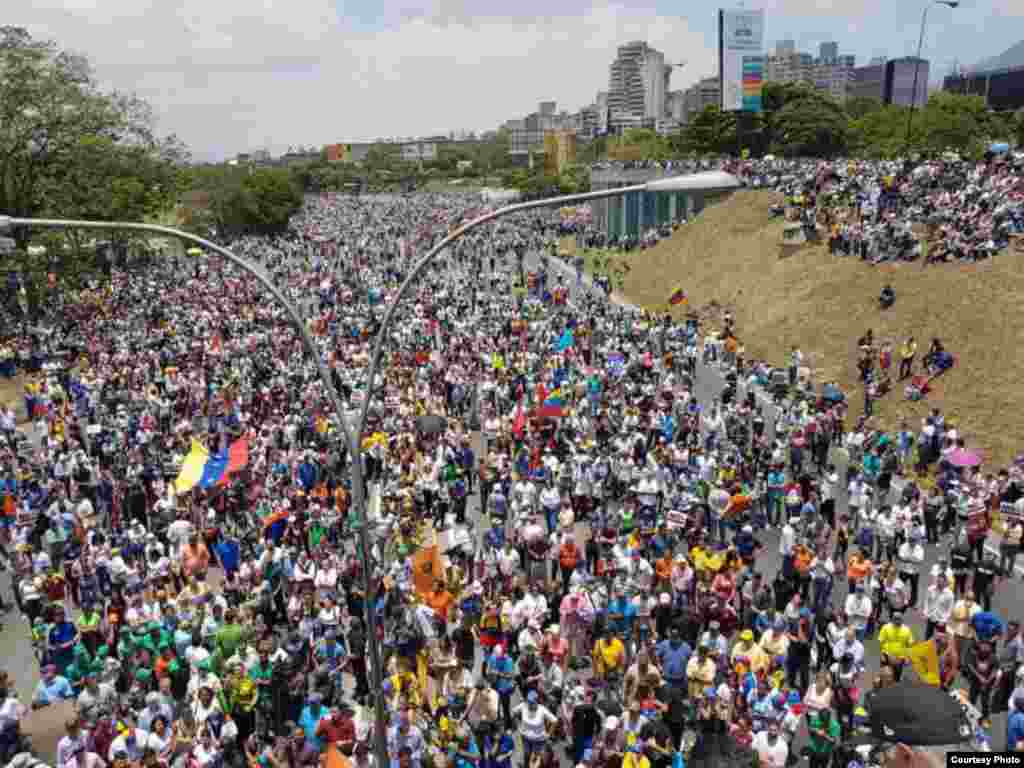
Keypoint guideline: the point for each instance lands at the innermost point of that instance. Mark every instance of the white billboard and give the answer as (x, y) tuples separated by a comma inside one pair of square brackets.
[(741, 59)]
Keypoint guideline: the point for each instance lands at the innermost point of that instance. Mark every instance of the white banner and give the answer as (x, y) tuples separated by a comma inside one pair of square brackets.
[(741, 46)]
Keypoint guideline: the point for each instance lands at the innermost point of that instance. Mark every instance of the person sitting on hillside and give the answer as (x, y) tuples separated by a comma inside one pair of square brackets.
[(887, 297)]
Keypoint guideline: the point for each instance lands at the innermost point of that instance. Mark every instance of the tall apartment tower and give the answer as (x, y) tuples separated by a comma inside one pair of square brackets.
[(626, 79)]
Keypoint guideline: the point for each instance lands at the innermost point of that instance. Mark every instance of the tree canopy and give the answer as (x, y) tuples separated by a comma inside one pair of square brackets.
[(70, 150), (800, 121)]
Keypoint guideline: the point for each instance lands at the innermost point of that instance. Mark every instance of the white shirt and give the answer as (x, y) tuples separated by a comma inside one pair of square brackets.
[(772, 755), (787, 540), (858, 610), (531, 725)]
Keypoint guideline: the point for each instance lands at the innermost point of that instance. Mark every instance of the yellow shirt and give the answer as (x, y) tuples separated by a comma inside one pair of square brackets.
[(896, 641), (609, 654)]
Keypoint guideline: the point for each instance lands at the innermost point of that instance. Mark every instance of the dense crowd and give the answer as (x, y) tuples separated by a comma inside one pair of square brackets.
[(581, 543), (947, 209)]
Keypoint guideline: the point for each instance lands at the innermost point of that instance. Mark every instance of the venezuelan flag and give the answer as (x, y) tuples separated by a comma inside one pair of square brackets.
[(553, 404), (192, 468), (678, 296), (206, 470)]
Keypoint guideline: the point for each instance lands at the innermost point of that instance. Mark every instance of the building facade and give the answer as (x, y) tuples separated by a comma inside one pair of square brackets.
[(830, 73), (1002, 89), (869, 82), (704, 93), (899, 81), (419, 151)]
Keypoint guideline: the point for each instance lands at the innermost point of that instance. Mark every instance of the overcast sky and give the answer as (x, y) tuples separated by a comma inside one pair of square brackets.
[(231, 76)]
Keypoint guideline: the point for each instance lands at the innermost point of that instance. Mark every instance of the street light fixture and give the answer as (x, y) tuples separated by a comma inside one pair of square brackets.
[(352, 437), (917, 63), (708, 182)]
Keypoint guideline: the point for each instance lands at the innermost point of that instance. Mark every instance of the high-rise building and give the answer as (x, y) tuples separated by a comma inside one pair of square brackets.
[(547, 108), (638, 81), (899, 81), (704, 93), (625, 79), (828, 52), (655, 80), (829, 73)]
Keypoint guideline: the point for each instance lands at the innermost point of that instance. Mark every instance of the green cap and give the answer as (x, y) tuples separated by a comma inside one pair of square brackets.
[(144, 675)]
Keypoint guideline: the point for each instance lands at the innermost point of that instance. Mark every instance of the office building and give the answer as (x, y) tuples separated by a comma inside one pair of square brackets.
[(1002, 89), (899, 81), (704, 93), (828, 52), (830, 73), (869, 82)]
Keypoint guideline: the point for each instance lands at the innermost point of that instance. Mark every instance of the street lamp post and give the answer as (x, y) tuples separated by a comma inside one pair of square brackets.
[(352, 436), (917, 63), (713, 181)]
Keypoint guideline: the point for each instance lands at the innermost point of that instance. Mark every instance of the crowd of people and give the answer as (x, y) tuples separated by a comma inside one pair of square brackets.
[(582, 547), (949, 209)]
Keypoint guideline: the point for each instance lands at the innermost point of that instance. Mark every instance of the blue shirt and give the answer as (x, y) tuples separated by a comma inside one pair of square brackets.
[(674, 660), (308, 723), (628, 611), (1014, 730), (504, 665), (56, 690)]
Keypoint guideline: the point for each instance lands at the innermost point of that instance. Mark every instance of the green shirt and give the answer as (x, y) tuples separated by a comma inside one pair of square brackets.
[(260, 672), (229, 639), (816, 743)]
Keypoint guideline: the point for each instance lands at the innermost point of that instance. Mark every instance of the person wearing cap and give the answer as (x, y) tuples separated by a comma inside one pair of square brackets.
[(535, 720), (501, 670)]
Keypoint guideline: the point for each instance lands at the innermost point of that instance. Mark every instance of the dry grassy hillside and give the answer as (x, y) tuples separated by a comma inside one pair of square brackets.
[(731, 257)]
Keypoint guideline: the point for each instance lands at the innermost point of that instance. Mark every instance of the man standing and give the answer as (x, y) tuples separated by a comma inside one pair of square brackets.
[(908, 350)]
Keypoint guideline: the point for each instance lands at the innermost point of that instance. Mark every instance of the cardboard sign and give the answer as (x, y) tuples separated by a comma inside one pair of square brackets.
[(676, 519)]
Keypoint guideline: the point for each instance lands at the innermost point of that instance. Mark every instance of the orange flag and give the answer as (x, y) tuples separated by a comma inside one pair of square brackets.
[(426, 569), (9, 510)]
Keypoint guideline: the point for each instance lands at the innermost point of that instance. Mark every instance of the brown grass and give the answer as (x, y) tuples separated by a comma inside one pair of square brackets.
[(731, 257)]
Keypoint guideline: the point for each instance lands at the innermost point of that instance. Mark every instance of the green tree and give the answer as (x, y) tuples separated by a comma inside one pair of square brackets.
[(711, 131), (239, 201), (49, 104), (860, 106), (810, 125)]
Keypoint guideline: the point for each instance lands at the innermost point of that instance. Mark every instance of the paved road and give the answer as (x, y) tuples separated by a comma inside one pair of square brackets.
[(20, 663)]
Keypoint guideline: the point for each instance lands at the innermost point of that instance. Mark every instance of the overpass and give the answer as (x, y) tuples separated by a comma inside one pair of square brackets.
[(636, 212)]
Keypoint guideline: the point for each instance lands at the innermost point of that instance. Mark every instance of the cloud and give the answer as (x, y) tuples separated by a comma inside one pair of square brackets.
[(233, 75)]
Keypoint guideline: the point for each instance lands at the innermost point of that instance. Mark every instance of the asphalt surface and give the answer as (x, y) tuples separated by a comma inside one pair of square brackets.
[(20, 662)]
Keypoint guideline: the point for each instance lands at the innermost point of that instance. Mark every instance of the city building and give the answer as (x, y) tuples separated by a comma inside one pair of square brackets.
[(1002, 89), (419, 151), (527, 135), (559, 150), (675, 106), (869, 82), (830, 73), (704, 93), (899, 81), (828, 52), (638, 81)]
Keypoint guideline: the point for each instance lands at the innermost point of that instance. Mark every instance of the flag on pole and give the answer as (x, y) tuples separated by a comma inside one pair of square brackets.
[(925, 661), (192, 468)]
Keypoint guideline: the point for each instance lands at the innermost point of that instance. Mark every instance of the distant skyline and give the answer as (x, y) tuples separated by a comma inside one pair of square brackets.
[(229, 76)]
